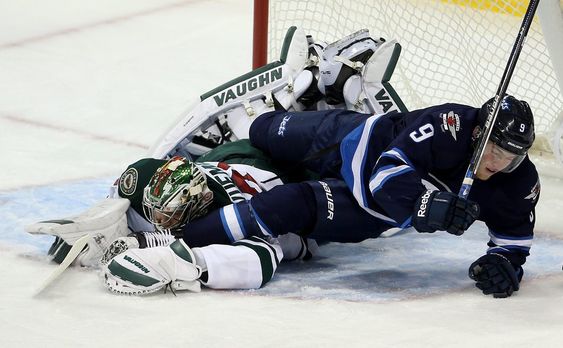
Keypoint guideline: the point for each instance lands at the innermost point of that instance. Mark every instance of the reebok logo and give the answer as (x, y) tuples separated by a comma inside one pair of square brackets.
[(423, 204), (249, 85), (136, 263)]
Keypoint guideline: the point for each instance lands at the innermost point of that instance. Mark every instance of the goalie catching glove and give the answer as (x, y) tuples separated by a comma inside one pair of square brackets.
[(495, 275), (444, 211)]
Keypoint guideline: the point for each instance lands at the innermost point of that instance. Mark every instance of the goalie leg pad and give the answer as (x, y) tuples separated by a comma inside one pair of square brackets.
[(226, 112), (342, 59), (144, 271), (375, 94)]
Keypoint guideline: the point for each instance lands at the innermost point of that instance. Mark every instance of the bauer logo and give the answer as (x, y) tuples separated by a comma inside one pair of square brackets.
[(330, 201), (249, 85), (128, 181)]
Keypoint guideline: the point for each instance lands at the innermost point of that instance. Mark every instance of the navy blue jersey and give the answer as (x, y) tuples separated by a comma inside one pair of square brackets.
[(388, 161)]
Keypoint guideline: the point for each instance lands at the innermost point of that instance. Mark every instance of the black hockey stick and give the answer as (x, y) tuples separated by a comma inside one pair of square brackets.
[(491, 118)]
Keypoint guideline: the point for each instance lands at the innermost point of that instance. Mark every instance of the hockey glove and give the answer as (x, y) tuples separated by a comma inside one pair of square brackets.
[(444, 211), (495, 275)]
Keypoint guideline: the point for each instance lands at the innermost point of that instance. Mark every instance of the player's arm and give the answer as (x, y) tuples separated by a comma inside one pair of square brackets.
[(396, 185), (511, 223)]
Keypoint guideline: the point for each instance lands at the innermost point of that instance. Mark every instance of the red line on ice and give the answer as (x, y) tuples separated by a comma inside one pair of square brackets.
[(73, 131), (109, 21)]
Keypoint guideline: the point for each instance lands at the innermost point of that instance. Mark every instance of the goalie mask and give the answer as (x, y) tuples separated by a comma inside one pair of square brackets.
[(176, 194), (513, 130)]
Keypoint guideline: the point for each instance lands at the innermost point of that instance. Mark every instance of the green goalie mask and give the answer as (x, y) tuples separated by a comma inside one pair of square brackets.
[(177, 193)]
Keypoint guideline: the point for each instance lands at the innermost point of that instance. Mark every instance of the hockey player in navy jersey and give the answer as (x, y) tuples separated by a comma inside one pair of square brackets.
[(395, 170)]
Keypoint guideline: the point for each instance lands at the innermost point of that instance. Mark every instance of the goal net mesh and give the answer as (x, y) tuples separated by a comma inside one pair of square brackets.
[(453, 50)]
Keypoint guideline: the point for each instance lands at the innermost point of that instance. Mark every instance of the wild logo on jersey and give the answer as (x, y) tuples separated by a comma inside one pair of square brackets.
[(128, 181), (242, 181)]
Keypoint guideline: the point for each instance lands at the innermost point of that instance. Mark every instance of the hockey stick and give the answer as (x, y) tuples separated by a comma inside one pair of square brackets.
[(71, 256), (491, 118)]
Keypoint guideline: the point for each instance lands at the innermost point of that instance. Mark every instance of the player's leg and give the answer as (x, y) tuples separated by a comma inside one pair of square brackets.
[(284, 209), (310, 138), (339, 218), (324, 210)]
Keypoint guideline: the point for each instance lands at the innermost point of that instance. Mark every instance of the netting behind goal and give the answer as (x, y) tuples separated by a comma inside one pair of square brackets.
[(453, 50)]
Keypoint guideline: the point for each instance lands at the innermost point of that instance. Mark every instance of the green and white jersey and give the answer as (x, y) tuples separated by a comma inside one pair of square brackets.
[(230, 183)]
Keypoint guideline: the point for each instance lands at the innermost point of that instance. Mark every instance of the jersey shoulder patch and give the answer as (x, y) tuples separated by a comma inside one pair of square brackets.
[(128, 181)]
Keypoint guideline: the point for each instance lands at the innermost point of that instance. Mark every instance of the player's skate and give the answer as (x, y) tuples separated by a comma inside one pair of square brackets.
[(136, 240), (103, 223), (144, 271)]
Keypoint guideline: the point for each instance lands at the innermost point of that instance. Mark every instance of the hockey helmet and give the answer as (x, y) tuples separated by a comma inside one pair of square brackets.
[(513, 130), (176, 194)]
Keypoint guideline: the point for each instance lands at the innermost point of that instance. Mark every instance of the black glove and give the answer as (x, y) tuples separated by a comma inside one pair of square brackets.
[(495, 275), (444, 211)]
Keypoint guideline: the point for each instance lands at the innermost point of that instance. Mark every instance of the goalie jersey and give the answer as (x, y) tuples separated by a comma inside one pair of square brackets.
[(249, 263)]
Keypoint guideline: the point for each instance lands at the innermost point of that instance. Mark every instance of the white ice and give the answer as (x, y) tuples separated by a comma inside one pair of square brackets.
[(87, 87)]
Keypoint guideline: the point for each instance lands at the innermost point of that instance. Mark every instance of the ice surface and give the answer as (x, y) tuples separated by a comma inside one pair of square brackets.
[(86, 88)]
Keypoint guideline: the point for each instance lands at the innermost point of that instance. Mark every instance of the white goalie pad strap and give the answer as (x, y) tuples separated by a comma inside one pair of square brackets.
[(295, 89), (100, 216), (338, 53), (239, 101)]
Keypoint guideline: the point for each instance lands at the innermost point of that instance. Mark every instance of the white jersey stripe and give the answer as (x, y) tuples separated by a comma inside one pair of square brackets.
[(524, 242), (357, 167), (232, 222), (383, 175), (265, 231)]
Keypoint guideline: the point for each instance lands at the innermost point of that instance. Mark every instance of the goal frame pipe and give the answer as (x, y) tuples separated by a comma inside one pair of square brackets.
[(260, 33), (501, 91)]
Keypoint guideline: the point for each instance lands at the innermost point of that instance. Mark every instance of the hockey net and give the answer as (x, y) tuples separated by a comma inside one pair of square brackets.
[(453, 50)]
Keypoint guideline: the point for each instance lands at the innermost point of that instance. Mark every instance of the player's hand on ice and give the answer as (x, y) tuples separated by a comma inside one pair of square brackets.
[(495, 275), (444, 211)]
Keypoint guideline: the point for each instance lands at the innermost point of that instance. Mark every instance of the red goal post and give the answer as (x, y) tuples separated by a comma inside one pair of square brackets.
[(453, 50)]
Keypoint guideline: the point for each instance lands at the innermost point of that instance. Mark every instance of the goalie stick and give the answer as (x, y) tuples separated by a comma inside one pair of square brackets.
[(491, 118), (71, 256)]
